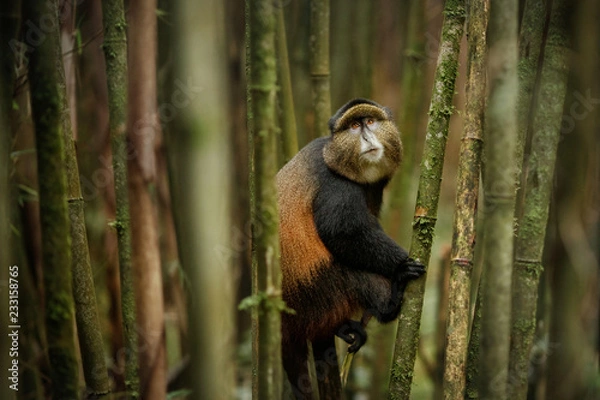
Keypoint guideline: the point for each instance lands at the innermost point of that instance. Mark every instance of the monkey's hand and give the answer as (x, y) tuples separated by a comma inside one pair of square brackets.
[(353, 333), (411, 269)]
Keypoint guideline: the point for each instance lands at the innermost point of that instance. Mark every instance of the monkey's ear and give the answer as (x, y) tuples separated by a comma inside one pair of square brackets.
[(388, 112), (331, 123)]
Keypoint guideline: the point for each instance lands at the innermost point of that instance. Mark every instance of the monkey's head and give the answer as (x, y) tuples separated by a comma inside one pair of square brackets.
[(365, 144)]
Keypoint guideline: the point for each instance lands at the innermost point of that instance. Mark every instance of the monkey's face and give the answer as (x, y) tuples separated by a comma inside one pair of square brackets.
[(365, 144)]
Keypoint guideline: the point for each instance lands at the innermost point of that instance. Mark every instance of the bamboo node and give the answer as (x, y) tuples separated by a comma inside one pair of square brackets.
[(422, 212), (466, 263), (527, 261)]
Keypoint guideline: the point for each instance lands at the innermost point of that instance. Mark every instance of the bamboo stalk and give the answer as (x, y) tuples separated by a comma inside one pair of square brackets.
[(319, 65), (86, 312), (530, 42), (202, 203), (530, 46), (427, 198), (540, 170), (397, 210), (289, 135), (115, 53), (143, 130), (499, 190), (465, 214), (262, 80), (472, 368), (56, 242)]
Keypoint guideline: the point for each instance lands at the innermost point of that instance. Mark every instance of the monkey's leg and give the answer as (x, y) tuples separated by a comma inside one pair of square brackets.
[(295, 363), (381, 297), (327, 368)]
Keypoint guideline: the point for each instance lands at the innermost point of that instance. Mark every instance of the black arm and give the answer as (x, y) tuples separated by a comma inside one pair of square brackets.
[(350, 232)]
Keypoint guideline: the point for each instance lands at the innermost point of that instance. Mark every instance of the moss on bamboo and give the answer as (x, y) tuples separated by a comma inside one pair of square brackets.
[(530, 45), (56, 251), (463, 242), (532, 227), (472, 369), (86, 313), (427, 198), (115, 52), (263, 147)]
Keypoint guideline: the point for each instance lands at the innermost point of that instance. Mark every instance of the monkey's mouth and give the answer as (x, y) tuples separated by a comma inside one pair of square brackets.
[(372, 154)]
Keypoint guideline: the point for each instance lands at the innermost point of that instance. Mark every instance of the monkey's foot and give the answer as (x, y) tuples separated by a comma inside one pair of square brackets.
[(353, 333)]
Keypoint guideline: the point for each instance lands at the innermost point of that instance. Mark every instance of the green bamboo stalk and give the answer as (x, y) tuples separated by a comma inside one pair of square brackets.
[(465, 214), (540, 170), (319, 65), (530, 46), (265, 247), (472, 367), (396, 211), (289, 135), (198, 141), (115, 53), (413, 79), (251, 189), (56, 243), (86, 312), (499, 190), (427, 198)]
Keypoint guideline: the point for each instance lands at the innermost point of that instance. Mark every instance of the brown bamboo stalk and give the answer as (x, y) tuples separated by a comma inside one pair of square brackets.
[(86, 312), (143, 130), (467, 192)]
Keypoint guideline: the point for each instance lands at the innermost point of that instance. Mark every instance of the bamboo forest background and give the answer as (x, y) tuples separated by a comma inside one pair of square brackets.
[(139, 142)]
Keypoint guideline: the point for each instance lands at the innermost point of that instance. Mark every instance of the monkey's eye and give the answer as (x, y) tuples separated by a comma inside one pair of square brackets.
[(370, 121), (355, 125)]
